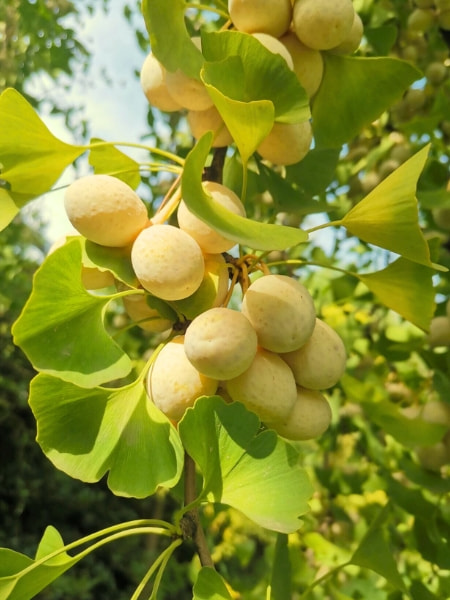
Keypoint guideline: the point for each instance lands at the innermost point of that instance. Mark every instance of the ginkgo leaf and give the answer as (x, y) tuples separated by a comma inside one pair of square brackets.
[(405, 287), (169, 39), (106, 158), (61, 327), (257, 473), (355, 91), (88, 433), (209, 585), (32, 157), (8, 209), (259, 236), (388, 215)]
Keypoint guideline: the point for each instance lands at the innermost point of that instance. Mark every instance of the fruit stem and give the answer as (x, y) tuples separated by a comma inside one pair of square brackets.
[(191, 525), (169, 204)]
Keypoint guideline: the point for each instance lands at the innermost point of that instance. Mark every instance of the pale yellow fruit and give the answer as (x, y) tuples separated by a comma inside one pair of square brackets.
[(168, 262), (221, 343), (320, 362), (275, 46), (308, 63), (287, 143), (309, 418), (439, 334), (154, 86), (105, 210), (174, 384), (201, 121), (322, 24), (437, 412), (352, 42), (190, 93), (208, 238), (281, 310), (267, 387), (143, 315), (212, 291), (267, 16)]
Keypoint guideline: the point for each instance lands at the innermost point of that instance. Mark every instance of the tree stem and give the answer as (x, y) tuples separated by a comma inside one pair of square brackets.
[(192, 527)]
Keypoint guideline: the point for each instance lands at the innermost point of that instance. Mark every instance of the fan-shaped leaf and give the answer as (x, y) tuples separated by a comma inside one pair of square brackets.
[(106, 158)]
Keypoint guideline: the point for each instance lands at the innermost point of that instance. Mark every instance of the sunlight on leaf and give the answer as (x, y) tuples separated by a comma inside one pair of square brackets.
[(90, 432), (257, 473), (210, 586), (106, 158), (355, 91), (374, 553), (169, 39), (258, 236), (388, 215), (61, 327), (32, 157), (407, 288), (8, 209)]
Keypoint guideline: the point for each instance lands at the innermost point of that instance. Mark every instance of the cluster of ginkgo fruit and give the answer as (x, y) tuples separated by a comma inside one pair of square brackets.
[(273, 354), (299, 32)]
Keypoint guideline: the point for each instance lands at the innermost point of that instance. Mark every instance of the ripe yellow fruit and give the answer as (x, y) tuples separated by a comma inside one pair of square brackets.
[(322, 24), (154, 86), (287, 143), (267, 387), (208, 239), (308, 63), (105, 210), (190, 93), (266, 16), (168, 262), (309, 418), (439, 334), (281, 311), (201, 121), (352, 42), (275, 46), (173, 383), (320, 362), (144, 316), (221, 343)]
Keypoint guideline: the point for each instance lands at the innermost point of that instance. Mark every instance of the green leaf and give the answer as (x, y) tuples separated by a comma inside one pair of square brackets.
[(61, 326), (281, 577), (8, 209), (375, 554), (107, 159), (314, 173), (32, 157), (90, 432), (210, 586), (388, 215), (169, 39), (405, 287), (355, 91), (257, 473), (242, 69), (116, 260), (259, 236)]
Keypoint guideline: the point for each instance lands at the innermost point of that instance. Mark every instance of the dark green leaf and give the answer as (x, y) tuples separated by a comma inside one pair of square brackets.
[(281, 579)]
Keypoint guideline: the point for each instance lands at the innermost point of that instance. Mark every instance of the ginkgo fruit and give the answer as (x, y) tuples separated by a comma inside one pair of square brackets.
[(168, 262), (322, 24), (309, 418), (353, 40), (320, 362), (275, 46), (266, 16), (173, 383), (286, 143), (154, 85), (221, 343), (267, 387), (201, 121), (105, 210), (281, 311), (308, 63), (146, 317), (210, 240)]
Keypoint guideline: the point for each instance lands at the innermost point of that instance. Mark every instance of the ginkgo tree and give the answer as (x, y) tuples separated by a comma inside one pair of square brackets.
[(94, 413)]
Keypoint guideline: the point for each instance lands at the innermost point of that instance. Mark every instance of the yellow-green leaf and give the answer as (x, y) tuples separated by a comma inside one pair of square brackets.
[(388, 215), (8, 209), (107, 159)]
